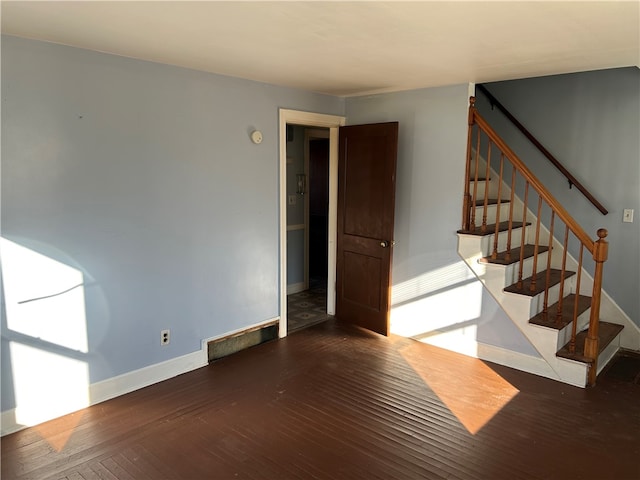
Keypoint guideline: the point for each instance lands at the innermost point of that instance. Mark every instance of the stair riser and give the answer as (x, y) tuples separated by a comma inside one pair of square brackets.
[(537, 302), (487, 241), (516, 241), (491, 186), (586, 281), (564, 335), (531, 306), (511, 272), (505, 210), (492, 213)]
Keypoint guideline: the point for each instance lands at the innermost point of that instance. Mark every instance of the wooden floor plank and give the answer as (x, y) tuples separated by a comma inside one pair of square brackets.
[(338, 402)]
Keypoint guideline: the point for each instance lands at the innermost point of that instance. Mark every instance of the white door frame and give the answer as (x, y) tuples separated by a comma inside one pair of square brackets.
[(332, 122)]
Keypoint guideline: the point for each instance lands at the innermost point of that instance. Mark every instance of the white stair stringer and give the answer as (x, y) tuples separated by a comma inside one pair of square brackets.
[(520, 308)]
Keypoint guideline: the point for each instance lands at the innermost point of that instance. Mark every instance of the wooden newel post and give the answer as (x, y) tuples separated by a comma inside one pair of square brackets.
[(591, 344), (466, 199)]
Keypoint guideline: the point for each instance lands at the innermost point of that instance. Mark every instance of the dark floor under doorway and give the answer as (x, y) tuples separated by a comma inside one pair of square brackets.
[(308, 307)]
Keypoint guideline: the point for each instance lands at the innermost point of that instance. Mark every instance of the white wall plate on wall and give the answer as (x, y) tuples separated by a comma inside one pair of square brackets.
[(256, 136)]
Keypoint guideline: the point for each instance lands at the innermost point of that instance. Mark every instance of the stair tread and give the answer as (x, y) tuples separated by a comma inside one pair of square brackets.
[(607, 332), (541, 281), (490, 201), (502, 259), (491, 229), (550, 320)]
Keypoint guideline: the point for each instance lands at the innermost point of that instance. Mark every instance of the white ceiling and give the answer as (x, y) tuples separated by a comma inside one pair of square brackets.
[(347, 48)]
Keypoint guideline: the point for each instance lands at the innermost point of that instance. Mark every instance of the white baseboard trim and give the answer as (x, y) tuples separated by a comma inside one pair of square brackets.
[(295, 288), (143, 377), (8, 422), (123, 384), (137, 379), (470, 347), (508, 358)]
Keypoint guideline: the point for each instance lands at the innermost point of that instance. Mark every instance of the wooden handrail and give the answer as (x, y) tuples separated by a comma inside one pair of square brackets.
[(572, 180), (598, 248), (535, 183)]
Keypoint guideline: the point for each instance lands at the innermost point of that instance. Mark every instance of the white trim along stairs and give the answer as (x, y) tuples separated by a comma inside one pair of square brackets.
[(521, 309)]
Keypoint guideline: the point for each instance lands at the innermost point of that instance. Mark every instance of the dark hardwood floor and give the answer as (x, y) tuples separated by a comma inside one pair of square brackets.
[(337, 402)]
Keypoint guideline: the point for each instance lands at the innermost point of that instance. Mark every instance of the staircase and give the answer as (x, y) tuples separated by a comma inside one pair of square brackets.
[(517, 239)]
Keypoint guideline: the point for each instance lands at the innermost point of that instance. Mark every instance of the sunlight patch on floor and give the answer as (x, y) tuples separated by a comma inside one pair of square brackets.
[(58, 431), (470, 389)]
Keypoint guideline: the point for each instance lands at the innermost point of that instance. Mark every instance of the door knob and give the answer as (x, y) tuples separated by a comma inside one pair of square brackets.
[(384, 244)]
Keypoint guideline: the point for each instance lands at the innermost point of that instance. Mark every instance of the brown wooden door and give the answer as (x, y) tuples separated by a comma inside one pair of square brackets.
[(366, 197)]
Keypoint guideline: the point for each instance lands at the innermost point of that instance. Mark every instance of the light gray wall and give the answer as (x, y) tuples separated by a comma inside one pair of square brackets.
[(295, 257), (143, 177), (295, 213), (590, 122), (295, 153), (433, 290)]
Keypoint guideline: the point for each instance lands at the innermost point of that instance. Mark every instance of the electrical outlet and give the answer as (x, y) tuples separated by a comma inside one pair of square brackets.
[(165, 337), (627, 215)]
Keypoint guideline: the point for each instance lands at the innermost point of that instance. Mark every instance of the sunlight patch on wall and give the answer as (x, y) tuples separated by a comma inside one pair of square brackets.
[(46, 384), (44, 298), (460, 338), (47, 332), (469, 388), (441, 307), (430, 282)]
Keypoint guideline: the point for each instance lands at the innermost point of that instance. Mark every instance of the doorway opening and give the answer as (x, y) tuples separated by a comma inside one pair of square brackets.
[(296, 231), (307, 242)]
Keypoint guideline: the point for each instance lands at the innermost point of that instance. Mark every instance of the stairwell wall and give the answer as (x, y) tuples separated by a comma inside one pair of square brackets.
[(434, 293), (590, 122)]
